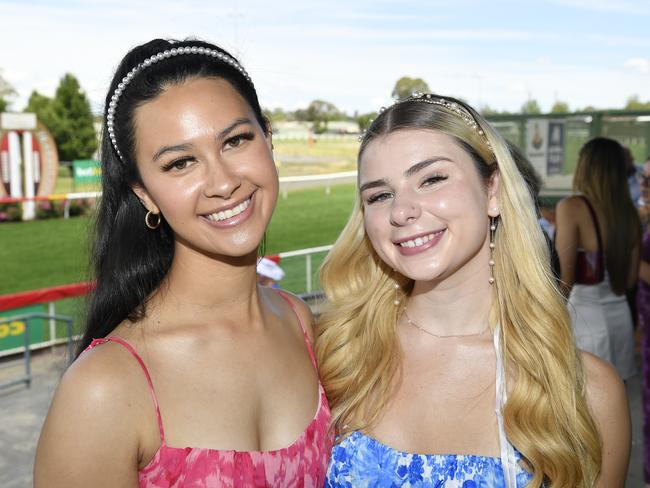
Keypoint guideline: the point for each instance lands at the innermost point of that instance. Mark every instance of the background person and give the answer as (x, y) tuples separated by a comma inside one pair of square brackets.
[(643, 307), (269, 272), (597, 237), (444, 311), (192, 375)]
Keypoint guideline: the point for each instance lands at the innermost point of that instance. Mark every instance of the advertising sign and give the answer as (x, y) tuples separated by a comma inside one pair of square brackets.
[(86, 171), (12, 334), (545, 145)]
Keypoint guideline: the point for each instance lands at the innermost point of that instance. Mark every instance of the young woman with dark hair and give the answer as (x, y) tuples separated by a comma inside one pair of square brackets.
[(598, 239), (182, 347)]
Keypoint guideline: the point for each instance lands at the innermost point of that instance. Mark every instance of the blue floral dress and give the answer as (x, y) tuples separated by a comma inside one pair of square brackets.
[(360, 461)]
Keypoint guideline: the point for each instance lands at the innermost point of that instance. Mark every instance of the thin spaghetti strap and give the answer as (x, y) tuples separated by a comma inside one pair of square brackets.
[(130, 348), (302, 326), (595, 221)]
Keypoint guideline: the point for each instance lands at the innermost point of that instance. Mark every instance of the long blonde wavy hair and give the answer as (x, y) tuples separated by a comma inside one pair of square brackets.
[(546, 415)]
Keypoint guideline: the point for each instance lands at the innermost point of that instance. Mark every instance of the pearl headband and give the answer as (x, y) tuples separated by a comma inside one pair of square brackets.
[(169, 53), (453, 106)]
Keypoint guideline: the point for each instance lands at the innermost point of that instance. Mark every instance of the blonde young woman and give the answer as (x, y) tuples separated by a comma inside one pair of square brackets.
[(447, 352)]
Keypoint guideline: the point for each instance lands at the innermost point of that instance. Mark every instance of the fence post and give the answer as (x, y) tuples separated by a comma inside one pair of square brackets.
[(51, 311), (27, 356), (308, 271)]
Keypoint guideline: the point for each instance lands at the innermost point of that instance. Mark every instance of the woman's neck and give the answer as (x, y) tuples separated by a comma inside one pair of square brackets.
[(206, 286), (455, 306)]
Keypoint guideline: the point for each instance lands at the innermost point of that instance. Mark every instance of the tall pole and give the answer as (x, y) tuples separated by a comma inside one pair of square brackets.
[(29, 208), (15, 176)]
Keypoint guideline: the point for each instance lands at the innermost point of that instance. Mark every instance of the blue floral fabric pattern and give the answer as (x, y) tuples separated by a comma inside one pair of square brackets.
[(360, 461)]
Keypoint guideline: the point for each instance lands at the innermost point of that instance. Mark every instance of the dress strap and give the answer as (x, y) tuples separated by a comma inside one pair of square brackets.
[(302, 326), (508, 459), (130, 348), (599, 238)]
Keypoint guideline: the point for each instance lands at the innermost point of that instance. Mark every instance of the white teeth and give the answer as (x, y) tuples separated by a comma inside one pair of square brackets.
[(418, 241), (231, 212)]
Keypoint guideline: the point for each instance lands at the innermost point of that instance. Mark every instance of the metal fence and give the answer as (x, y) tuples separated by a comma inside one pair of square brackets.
[(27, 357)]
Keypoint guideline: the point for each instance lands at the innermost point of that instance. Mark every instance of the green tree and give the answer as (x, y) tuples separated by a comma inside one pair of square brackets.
[(364, 120), (531, 107), (275, 115), (319, 112), (6, 93), (406, 86), (42, 107), (486, 111), (72, 123), (634, 103), (560, 107)]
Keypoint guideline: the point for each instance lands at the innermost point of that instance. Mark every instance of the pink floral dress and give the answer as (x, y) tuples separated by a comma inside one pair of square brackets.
[(301, 464)]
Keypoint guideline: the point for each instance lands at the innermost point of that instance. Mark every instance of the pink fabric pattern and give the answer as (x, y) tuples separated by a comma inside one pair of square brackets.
[(303, 464)]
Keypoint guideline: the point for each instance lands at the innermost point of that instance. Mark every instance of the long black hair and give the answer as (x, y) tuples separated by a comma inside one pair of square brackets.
[(130, 260)]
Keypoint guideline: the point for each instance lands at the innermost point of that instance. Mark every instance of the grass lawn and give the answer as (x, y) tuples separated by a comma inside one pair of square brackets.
[(335, 149), (45, 253)]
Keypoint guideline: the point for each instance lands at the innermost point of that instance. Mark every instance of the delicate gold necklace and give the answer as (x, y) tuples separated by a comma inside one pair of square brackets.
[(438, 336)]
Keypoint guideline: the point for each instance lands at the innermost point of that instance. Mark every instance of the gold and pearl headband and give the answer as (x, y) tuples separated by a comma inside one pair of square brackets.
[(450, 105), (168, 53)]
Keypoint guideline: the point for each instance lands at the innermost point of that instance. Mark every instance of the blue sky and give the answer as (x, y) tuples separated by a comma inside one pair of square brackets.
[(498, 52)]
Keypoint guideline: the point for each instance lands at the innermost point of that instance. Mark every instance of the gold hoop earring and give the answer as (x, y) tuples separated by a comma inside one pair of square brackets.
[(152, 226)]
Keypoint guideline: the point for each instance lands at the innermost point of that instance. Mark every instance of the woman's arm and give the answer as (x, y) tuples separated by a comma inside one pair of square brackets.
[(633, 275), (566, 241), (644, 271), (90, 435), (608, 403)]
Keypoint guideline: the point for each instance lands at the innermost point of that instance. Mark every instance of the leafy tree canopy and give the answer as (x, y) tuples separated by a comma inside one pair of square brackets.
[(319, 111), (364, 120), (634, 103), (486, 111), (560, 107), (42, 107), (531, 107), (69, 118), (406, 86), (7, 92)]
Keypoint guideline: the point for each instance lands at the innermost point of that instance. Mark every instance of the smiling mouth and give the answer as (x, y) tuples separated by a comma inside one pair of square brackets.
[(420, 241), (230, 213)]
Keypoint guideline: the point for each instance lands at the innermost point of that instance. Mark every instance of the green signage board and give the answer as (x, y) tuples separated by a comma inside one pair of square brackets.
[(86, 171), (12, 334)]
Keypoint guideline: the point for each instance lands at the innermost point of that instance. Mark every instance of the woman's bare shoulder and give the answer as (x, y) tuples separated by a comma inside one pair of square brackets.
[(303, 311), (608, 403), (95, 417)]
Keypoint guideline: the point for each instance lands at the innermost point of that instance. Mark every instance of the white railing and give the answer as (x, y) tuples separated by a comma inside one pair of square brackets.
[(308, 264)]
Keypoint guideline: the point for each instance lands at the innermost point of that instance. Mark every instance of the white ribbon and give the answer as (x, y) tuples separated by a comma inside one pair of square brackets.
[(508, 460)]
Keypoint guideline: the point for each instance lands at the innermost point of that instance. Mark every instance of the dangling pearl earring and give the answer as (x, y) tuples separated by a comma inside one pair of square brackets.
[(396, 287), (493, 228)]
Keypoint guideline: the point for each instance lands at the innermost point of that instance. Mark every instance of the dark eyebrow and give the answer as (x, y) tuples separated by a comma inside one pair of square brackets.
[(233, 126), (165, 149), (423, 164), (184, 147)]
